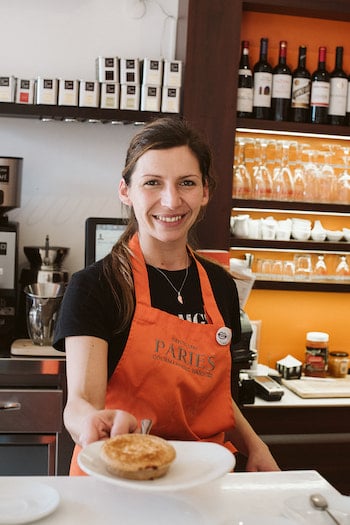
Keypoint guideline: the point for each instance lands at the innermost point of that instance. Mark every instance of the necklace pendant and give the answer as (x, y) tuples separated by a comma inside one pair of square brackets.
[(179, 298)]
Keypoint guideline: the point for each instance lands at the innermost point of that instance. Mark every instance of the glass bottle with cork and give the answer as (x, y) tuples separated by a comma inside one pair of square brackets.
[(316, 354)]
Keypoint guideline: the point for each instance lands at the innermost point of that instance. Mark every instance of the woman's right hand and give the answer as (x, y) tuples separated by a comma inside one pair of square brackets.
[(102, 424)]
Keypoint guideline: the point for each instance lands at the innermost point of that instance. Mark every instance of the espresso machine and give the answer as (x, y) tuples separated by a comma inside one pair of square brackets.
[(10, 191), (41, 289)]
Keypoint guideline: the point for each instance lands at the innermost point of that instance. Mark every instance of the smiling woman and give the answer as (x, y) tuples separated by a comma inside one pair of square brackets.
[(149, 330)]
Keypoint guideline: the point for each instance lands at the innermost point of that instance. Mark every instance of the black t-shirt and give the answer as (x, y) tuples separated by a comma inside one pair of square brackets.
[(88, 307)]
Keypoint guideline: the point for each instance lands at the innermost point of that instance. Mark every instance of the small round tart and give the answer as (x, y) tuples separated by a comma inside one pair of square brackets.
[(137, 456)]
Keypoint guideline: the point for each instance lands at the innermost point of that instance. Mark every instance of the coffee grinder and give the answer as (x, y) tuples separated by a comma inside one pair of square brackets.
[(45, 270), (10, 191)]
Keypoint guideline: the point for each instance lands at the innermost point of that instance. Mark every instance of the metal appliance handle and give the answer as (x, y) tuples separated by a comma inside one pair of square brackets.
[(10, 405)]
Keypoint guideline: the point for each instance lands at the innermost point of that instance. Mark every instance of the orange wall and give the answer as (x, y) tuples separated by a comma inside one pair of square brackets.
[(296, 31), (287, 316)]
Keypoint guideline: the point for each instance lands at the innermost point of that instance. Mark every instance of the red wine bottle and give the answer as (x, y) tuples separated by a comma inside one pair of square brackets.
[(301, 88), (347, 119), (281, 86), (320, 88), (338, 91), (262, 84), (245, 84)]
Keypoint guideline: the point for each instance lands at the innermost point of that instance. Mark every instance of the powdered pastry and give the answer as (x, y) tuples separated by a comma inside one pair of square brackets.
[(137, 456)]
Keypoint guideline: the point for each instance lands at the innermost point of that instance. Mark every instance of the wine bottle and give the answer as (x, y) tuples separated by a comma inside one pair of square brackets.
[(320, 88), (245, 84), (301, 88), (347, 119), (262, 84), (281, 86), (338, 90)]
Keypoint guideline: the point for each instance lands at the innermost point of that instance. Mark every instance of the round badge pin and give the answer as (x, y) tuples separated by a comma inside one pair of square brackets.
[(224, 335)]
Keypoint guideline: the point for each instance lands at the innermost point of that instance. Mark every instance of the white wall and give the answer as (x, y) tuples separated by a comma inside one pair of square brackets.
[(71, 170)]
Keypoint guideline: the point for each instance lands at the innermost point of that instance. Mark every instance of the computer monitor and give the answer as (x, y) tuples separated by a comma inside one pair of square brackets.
[(101, 233)]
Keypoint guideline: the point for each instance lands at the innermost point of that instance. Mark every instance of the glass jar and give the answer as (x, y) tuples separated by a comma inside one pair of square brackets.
[(338, 364), (316, 354)]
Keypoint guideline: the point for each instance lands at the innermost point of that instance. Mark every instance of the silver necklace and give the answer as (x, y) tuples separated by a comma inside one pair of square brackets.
[(178, 291)]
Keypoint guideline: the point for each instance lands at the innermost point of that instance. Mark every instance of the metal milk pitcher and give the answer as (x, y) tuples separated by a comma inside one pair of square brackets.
[(43, 301)]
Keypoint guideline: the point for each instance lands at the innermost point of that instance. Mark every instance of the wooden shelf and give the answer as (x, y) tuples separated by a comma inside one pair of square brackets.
[(291, 245), (81, 114), (330, 10), (281, 206), (293, 127), (309, 286)]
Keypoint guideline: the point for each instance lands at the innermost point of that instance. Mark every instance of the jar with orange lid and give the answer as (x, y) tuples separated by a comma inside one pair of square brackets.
[(316, 354), (338, 364)]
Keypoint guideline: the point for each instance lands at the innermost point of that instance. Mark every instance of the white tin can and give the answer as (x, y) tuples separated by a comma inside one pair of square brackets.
[(89, 94), (45, 91), (173, 73), (110, 92), (7, 89), (107, 69), (150, 98), (130, 96), (152, 72), (68, 92), (129, 71), (24, 91), (171, 99)]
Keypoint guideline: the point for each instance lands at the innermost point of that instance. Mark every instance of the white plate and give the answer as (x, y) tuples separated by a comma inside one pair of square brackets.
[(300, 508), (24, 501), (261, 520), (196, 463)]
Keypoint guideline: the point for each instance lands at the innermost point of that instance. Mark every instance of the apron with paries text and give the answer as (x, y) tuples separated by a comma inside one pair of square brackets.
[(175, 372)]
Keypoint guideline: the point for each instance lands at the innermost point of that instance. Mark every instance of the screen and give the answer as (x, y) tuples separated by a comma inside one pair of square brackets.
[(100, 235)]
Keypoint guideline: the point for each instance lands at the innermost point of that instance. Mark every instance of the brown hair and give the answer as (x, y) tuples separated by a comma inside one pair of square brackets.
[(162, 133)]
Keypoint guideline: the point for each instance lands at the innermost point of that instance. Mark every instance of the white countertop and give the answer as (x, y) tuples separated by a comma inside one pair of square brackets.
[(234, 499), (289, 399)]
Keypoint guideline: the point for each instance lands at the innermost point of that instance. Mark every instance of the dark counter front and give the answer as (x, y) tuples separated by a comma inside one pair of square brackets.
[(307, 437), (32, 397)]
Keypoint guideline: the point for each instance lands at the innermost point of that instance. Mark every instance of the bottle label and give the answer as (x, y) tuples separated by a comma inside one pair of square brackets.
[(244, 72), (301, 88), (281, 86), (348, 99), (245, 100), (320, 94), (338, 94), (262, 89)]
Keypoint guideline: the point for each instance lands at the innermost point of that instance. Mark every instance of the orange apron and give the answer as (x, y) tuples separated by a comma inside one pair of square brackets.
[(175, 372)]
